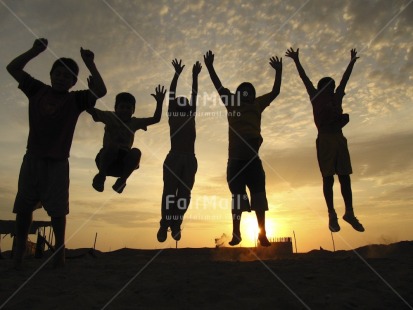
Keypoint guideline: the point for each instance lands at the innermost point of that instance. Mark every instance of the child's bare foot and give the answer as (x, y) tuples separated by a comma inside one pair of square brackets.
[(262, 238), (236, 239)]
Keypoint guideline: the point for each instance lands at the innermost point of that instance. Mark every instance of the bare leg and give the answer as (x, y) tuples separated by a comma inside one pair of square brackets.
[(106, 157), (59, 228), (328, 183), (23, 222), (131, 162), (348, 200), (345, 184), (262, 236), (236, 223)]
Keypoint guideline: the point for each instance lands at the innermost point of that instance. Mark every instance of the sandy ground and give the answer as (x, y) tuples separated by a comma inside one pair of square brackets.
[(371, 277)]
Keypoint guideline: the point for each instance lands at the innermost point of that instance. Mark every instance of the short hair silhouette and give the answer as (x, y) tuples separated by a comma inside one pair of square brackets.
[(326, 84), (245, 85), (67, 63), (125, 97)]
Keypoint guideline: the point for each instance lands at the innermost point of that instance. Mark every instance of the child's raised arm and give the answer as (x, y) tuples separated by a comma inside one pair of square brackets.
[(348, 71), (196, 69), (209, 63), (159, 97), (172, 90), (294, 56), (16, 66), (265, 100), (95, 81)]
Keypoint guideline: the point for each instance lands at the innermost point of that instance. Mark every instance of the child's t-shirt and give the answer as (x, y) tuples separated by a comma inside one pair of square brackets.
[(118, 133), (52, 117), (182, 132), (244, 122), (327, 111)]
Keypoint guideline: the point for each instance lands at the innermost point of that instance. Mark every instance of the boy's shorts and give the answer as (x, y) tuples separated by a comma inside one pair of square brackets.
[(43, 182), (116, 168), (333, 155), (247, 173)]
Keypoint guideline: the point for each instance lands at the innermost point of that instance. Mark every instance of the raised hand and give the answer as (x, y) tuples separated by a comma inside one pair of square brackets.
[(87, 56), (159, 93), (276, 63), (354, 56), (292, 54), (209, 58), (178, 66), (40, 45), (196, 69)]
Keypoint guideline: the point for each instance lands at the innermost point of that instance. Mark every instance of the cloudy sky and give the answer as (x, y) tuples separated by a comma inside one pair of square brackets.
[(134, 43)]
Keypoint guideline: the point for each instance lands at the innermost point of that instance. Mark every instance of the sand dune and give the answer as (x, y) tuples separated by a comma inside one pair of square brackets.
[(370, 277)]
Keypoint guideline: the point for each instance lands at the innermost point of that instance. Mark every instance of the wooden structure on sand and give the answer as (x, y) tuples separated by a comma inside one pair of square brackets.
[(283, 245), (44, 237)]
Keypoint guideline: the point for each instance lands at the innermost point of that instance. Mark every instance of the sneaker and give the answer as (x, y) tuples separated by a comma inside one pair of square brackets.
[(176, 234), (333, 222), (119, 185), (98, 182), (353, 221), (262, 238), (236, 239), (162, 234)]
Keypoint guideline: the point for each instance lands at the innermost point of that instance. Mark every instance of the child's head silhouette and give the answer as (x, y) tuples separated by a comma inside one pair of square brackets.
[(63, 74), (125, 105), (326, 84), (246, 93)]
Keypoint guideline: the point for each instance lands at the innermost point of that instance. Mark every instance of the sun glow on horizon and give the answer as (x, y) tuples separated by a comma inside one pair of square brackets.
[(249, 229)]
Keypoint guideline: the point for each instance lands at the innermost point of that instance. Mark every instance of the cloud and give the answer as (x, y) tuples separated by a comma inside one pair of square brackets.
[(134, 43)]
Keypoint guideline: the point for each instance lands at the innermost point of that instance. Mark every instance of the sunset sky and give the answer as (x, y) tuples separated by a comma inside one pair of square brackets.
[(134, 43)]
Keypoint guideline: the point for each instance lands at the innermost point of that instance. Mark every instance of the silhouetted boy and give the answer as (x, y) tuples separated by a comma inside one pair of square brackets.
[(53, 113), (244, 168), (117, 157), (332, 151), (180, 164)]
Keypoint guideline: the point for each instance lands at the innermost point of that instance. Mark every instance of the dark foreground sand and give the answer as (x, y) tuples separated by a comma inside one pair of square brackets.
[(371, 277)]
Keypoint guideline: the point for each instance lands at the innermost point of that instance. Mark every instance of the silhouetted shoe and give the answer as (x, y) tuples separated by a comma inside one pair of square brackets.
[(176, 233), (98, 182), (353, 221), (162, 234), (236, 239), (333, 222), (262, 238), (119, 185)]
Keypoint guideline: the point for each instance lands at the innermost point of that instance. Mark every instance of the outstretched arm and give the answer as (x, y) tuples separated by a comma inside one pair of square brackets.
[(196, 69), (209, 63), (16, 66), (95, 81), (266, 99), (172, 90), (348, 71), (159, 97), (294, 56)]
